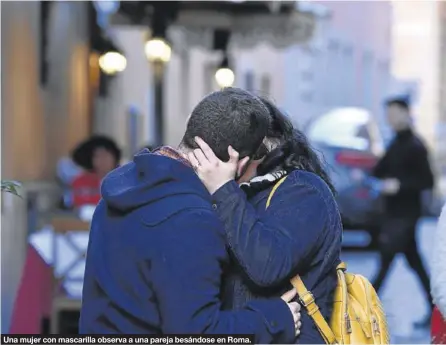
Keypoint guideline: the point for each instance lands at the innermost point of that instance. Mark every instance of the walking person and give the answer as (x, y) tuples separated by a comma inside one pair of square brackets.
[(157, 254), (405, 173), (298, 231), (438, 279)]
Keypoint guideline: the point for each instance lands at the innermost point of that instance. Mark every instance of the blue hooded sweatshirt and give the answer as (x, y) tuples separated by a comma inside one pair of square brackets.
[(156, 257)]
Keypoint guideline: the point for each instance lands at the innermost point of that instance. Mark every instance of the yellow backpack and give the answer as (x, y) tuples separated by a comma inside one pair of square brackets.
[(358, 316)]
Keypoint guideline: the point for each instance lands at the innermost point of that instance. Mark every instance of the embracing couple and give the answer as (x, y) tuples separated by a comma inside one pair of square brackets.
[(192, 241)]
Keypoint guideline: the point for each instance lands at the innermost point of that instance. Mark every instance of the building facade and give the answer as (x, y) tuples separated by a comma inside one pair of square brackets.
[(419, 55), (40, 122), (347, 63)]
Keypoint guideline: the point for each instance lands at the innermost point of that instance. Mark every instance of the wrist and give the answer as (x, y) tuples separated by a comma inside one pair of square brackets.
[(216, 187)]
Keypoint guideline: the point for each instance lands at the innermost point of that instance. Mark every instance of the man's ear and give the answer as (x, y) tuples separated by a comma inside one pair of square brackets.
[(242, 165)]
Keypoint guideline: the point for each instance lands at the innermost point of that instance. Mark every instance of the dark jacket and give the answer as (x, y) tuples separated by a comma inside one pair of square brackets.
[(407, 160), (300, 233), (156, 256)]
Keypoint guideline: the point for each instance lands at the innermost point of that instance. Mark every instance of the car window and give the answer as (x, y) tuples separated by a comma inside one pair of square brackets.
[(363, 132), (345, 127)]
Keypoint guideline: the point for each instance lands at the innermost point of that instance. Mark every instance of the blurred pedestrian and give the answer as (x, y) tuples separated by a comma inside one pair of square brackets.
[(405, 173), (97, 156), (438, 279), (298, 233)]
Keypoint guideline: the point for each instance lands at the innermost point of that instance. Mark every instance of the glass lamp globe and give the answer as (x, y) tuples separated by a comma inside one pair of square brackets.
[(224, 77), (157, 50), (112, 62)]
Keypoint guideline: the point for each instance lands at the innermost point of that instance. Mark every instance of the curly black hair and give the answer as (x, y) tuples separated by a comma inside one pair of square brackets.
[(293, 151), (82, 155)]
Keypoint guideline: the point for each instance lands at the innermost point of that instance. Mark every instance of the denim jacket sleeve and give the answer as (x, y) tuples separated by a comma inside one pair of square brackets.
[(270, 247)]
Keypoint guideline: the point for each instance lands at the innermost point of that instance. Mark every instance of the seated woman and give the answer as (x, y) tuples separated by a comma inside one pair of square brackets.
[(298, 234), (98, 156)]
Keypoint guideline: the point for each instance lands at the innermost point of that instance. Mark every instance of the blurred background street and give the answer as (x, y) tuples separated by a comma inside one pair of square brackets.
[(402, 294), (86, 85)]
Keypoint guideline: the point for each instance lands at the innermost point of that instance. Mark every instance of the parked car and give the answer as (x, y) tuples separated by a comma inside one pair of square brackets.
[(350, 141)]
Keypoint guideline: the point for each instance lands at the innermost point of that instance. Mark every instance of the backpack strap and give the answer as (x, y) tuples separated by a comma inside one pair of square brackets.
[(277, 185), (306, 297), (307, 300)]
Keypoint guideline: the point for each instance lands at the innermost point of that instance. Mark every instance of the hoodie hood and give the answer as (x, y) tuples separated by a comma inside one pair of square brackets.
[(148, 178)]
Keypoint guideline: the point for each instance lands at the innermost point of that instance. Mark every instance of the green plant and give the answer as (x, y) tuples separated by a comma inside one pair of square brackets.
[(10, 187)]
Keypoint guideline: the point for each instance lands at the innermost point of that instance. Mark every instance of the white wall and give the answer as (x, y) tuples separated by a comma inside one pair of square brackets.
[(264, 62), (416, 57), (345, 64)]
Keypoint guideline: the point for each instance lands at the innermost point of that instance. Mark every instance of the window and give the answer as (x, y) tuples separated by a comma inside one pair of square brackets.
[(307, 96), (249, 81), (333, 85), (307, 76), (367, 80), (265, 85), (209, 83), (348, 75)]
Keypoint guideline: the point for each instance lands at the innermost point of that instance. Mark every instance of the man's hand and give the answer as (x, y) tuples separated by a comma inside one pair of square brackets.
[(294, 308), (390, 186), (213, 172)]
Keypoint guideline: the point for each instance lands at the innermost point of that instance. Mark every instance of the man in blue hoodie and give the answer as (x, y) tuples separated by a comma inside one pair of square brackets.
[(157, 252)]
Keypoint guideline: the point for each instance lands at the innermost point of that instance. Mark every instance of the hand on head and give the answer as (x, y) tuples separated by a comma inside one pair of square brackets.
[(212, 171)]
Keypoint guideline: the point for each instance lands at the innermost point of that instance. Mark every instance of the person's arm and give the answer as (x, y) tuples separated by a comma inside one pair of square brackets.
[(380, 170), (438, 275), (270, 247), (186, 278), (420, 176)]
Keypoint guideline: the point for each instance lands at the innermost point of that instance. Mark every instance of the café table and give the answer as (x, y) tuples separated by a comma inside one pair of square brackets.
[(49, 254)]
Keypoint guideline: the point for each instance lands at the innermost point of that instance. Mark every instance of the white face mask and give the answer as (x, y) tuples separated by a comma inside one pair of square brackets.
[(398, 117)]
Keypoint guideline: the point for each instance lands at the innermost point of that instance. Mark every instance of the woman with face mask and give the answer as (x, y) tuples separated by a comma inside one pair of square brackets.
[(298, 233)]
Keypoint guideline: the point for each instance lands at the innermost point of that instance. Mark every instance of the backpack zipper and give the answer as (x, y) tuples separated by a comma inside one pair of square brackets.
[(348, 323), (375, 325)]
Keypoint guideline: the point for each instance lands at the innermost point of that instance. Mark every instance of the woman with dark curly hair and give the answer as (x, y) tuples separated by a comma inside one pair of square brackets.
[(97, 156), (296, 232)]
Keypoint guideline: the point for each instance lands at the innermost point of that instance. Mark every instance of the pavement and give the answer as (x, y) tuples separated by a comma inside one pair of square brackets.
[(401, 293)]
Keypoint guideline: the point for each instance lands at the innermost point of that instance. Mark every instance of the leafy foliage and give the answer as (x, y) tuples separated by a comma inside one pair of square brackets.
[(10, 187)]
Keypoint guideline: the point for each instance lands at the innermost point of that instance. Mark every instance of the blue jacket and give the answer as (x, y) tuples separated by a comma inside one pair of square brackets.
[(156, 256), (300, 233)]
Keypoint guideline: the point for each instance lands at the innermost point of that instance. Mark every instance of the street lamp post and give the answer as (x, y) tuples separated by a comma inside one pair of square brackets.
[(110, 60), (158, 53)]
